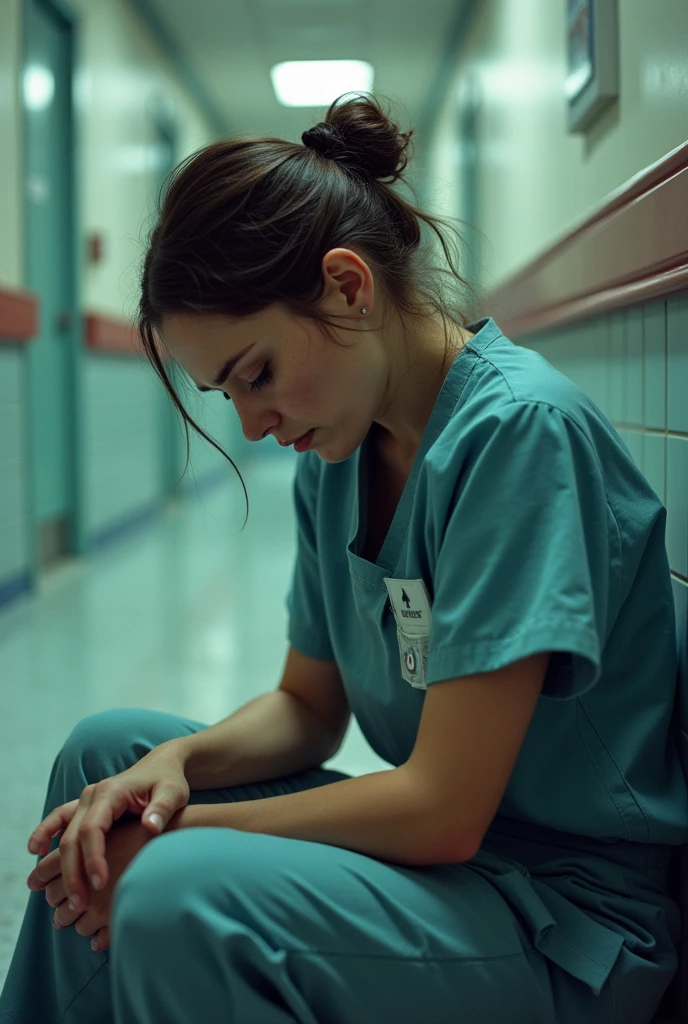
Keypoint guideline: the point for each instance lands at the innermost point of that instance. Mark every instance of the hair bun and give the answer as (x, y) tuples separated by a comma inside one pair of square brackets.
[(323, 139), (359, 135)]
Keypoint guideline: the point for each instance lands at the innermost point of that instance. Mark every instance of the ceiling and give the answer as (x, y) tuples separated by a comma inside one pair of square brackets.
[(227, 48)]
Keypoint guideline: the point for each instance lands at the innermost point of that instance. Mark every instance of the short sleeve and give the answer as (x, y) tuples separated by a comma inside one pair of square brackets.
[(307, 630), (524, 564)]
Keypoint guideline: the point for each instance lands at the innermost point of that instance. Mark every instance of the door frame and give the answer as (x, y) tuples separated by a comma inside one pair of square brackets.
[(470, 110), (63, 11), (165, 124)]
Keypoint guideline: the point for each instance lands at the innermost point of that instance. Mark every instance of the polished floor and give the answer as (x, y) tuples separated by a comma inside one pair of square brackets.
[(186, 615)]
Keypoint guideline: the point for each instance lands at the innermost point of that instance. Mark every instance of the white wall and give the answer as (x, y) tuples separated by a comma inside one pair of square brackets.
[(535, 180), (122, 75)]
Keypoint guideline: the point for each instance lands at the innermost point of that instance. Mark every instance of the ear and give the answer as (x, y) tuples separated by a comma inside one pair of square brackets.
[(348, 281)]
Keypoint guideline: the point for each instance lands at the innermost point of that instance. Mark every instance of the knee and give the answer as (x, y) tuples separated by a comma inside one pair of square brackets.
[(180, 870), (118, 736), (152, 889)]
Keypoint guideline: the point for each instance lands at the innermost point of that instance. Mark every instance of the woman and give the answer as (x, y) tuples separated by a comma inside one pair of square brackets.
[(481, 578)]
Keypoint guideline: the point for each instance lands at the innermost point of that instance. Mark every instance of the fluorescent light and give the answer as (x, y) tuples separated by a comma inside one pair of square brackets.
[(317, 83), (39, 87)]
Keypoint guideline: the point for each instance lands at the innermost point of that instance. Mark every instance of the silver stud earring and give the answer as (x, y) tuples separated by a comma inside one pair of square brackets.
[(364, 310)]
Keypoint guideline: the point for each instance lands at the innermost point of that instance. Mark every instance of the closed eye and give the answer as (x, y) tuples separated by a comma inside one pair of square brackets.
[(260, 382), (264, 378)]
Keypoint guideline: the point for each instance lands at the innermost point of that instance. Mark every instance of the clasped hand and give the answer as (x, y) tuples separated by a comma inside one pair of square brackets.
[(123, 842)]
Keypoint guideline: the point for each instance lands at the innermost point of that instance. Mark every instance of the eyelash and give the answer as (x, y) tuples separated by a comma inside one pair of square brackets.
[(259, 383)]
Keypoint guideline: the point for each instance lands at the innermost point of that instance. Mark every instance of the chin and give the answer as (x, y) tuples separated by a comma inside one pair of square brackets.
[(327, 455)]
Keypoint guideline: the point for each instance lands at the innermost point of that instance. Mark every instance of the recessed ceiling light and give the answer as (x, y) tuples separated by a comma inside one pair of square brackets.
[(317, 83)]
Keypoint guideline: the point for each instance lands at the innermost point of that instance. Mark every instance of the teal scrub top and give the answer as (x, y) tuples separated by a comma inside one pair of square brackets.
[(531, 529)]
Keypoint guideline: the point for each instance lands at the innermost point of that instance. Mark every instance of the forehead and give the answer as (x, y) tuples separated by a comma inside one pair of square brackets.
[(183, 332), (205, 345)]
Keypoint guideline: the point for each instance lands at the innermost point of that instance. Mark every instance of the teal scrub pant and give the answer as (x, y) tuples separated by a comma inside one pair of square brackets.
[(220, 926)]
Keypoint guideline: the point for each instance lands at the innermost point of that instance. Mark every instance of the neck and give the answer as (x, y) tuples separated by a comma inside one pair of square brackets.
[(415, 382)]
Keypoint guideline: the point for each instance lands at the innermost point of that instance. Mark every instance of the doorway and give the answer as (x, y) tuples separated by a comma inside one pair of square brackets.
[(51, 272)]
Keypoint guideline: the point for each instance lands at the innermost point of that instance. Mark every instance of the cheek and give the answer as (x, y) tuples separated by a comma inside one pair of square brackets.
[(306, 395), (320, 393)]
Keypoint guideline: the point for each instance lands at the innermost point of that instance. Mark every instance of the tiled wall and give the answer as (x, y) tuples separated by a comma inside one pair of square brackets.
[(14, 552), (634, 365), (126, 428), (127, 420)]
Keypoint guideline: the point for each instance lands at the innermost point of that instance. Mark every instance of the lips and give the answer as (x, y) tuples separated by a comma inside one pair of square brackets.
[(285, 444)]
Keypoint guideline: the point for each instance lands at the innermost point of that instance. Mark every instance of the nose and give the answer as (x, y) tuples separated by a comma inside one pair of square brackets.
[(256, 423)]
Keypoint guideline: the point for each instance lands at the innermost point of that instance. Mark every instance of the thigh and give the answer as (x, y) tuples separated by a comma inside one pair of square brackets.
[(55, 975), (122, 736), (109, 742), (332, 935)]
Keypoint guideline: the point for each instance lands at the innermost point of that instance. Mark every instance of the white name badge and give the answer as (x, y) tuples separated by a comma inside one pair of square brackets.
[(412, 611)]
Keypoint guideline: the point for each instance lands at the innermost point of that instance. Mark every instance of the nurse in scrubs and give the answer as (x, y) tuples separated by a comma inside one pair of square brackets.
[(481, 578)]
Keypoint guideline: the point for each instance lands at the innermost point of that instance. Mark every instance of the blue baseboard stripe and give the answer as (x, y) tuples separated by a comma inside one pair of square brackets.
[(125, 527), (14, 587), (145, 516)]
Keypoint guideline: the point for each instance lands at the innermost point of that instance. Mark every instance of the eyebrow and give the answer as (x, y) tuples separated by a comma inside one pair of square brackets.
[(227, 369)]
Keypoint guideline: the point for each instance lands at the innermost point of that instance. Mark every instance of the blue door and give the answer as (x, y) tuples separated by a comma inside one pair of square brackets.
[(50, 273)]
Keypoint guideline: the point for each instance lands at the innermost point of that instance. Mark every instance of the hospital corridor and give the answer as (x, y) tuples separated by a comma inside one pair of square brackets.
[(343, 512)]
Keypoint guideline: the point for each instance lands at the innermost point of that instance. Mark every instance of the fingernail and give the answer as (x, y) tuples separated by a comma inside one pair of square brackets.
[(94, 946), (56, 925), (74, 902), (95, 881), (33, 846)]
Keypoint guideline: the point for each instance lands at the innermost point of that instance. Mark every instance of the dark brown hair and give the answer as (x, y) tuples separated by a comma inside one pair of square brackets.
[(245, 222)]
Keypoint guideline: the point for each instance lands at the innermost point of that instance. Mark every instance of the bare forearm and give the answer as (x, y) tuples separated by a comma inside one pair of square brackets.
[(383, 815), (271, 736)]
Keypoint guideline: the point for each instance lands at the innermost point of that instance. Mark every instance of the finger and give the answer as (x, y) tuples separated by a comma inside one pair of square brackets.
[(101, 940), (55, 892), (57, 819), (88, 923), (107, 805), (52, 826), (45, 871), (64, 917), (40, 847), (71, 857)]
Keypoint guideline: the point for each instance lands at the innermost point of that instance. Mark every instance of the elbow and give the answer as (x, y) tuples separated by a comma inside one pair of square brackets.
[(438, 837), (469, 848), (465, 850), (453, 850)]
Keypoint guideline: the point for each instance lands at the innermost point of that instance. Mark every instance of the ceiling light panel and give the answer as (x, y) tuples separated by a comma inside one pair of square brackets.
[(317, 83)]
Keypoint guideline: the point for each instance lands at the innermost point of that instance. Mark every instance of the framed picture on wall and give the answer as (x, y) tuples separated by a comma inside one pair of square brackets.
[(592, 80)]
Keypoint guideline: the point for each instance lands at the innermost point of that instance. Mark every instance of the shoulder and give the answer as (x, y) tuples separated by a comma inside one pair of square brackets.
[(514, 395), (490, 431)]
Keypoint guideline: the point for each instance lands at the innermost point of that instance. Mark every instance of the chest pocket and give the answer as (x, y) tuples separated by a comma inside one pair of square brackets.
[(411, 607)]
